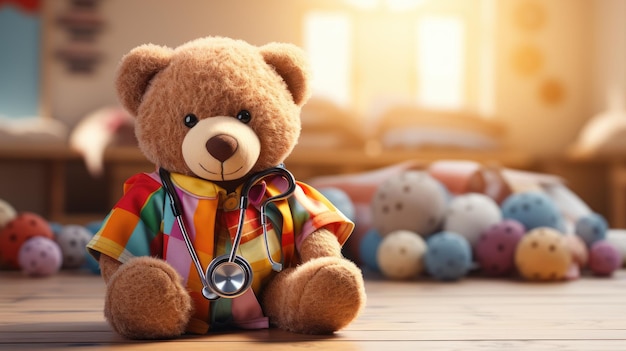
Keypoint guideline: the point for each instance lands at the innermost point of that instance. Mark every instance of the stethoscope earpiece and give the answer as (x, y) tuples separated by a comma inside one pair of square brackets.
[(229, 275)]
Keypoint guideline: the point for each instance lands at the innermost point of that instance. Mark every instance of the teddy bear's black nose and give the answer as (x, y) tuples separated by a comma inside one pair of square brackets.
[(222, 146)]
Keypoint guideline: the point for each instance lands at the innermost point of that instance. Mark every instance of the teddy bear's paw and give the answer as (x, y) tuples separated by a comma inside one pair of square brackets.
[(319, 297), (146, 300)]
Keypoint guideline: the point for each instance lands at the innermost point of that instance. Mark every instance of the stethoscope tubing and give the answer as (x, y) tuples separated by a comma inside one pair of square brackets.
[(243, 205)]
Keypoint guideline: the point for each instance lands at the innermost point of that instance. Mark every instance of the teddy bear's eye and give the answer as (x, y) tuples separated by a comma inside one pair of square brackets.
[(244, 116), (191, 120)]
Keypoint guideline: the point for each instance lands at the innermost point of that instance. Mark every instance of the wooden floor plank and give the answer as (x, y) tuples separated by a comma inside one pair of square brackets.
[(65, 311)]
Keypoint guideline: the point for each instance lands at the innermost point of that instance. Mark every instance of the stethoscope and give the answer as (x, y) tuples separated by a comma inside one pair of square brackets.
[(230, 275)]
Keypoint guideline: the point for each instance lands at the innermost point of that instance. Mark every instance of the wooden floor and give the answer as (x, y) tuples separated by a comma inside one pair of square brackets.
[(65, 312)]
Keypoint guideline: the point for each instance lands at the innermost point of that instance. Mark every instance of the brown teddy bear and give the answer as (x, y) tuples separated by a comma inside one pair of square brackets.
[(218, 117)]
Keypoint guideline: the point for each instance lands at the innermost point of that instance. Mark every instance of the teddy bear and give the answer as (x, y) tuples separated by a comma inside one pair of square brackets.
[(212, 115)]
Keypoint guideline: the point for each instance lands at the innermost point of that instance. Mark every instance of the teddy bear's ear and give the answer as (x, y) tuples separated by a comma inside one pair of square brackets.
[(290, 63), (136, 70)]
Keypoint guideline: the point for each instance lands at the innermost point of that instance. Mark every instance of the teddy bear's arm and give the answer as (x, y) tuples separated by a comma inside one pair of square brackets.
[(108, 266), (322, 243)]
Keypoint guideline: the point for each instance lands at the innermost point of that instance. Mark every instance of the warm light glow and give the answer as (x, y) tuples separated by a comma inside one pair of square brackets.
[(440, 66), (392, 5), (327, 41)]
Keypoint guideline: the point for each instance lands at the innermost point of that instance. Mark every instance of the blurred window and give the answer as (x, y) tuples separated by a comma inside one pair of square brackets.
[(436, 53), (440, 62), (327, 42)]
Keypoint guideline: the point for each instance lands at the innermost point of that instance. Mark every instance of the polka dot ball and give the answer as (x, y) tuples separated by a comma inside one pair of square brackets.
[(495, 250), (604, 258), (411, 200), (368, 248), (40, 256), (543, 254), (533, 210), (591, 228), (400, 255), (25, 226), (341, 200), (449, 256), (470, 215), (72, 240)]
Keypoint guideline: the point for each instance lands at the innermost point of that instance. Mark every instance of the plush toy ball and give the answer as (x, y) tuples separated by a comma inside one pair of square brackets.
[(448, 257), (533, 210), (617, 237), (91, 263), (368, 249), (495, 250), (604, 258), (579, 250), (341, 200), (55, 227), (543, 255), (591, 228), (400, 254), (7, 213), (94, 226), (40, 256), (411, 200), (25, 226), (72, 240), (470, 215)]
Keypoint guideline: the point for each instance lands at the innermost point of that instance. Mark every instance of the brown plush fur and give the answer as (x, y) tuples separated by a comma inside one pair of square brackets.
[(213, 78)]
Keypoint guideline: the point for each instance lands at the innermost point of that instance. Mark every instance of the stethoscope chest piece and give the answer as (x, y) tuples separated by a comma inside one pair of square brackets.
[(227, 278)]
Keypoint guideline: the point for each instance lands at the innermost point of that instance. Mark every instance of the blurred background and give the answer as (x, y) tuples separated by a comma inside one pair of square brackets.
[(526, 84)]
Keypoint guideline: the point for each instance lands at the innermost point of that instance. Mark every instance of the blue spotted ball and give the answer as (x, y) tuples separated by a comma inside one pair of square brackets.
[(341, 200), (448, 257), (56, 228), (94, 226), (368, 248), (533, 210), (591, 228), (91, 264)]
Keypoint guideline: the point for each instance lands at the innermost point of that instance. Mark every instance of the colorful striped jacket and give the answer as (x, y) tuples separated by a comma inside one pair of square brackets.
[(142, 223)]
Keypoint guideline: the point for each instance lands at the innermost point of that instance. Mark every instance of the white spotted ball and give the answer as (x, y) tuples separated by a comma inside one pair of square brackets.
[(411, 200), (72, 240), (470, 215)]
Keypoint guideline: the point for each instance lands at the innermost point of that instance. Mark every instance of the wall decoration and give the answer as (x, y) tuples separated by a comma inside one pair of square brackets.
[(82, 24), (529, 16), (551, 91), (527, 59)]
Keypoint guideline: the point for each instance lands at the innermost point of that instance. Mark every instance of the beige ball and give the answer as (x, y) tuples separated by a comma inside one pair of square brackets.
[(543, 254), (7, 213), (400, 255)]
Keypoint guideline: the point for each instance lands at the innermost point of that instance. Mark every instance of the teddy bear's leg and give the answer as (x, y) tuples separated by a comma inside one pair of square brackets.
[(145, 299), (320, 296)]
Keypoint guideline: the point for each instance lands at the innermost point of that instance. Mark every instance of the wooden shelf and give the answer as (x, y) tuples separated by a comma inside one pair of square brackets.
[(123, 162)]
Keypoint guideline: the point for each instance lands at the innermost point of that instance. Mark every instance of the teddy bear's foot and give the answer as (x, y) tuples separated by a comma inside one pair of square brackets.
[(321, 296), (146, 300)]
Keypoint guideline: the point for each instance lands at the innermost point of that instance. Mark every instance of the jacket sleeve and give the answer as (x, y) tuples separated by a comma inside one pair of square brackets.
[(133, 227)]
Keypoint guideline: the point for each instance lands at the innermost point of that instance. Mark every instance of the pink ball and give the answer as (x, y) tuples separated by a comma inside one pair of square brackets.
[(40, 257), (604, 258), (495, 250)]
